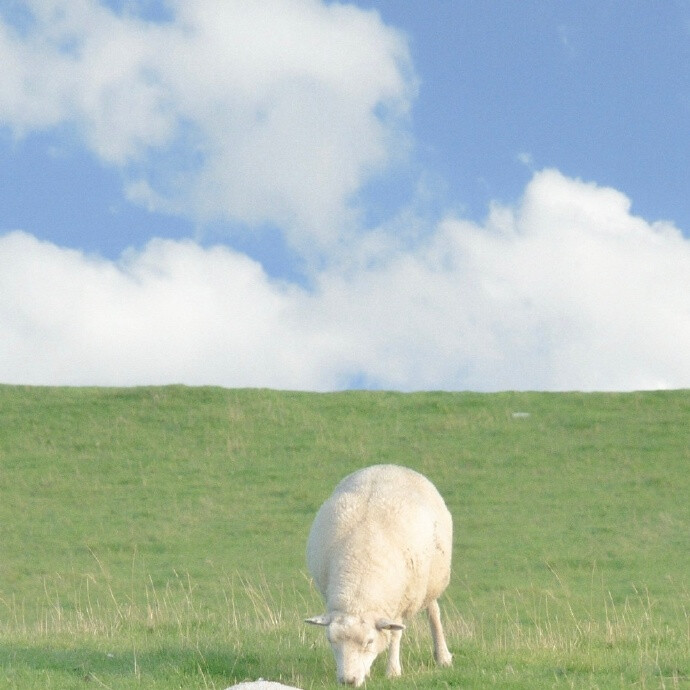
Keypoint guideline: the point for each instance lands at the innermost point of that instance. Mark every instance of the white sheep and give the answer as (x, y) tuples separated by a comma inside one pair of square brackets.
[(379, 551)]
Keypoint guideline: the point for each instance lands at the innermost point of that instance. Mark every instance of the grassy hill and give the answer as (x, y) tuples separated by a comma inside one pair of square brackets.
[(154, 537)]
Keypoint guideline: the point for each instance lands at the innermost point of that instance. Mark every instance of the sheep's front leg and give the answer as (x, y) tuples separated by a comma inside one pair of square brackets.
[(441, 653), (394, 668)]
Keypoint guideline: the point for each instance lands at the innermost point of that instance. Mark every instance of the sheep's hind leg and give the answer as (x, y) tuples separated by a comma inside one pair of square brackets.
[(441, 653), (394, 668)]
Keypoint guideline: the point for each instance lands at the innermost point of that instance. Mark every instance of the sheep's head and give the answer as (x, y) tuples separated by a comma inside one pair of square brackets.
[(356, 641)]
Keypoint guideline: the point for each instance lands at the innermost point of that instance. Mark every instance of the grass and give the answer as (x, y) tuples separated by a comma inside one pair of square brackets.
[(154, 537)]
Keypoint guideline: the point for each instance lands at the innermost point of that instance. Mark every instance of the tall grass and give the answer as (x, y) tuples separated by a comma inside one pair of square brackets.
[(175, 639)]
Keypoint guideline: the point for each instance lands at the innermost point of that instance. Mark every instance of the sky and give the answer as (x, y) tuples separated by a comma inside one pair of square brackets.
[(309, 195)]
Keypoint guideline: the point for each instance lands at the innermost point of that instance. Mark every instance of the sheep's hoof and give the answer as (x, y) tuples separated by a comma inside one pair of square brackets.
[(445, 659)]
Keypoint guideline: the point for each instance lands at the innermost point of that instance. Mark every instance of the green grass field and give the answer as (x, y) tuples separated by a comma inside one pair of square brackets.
[(154, 537)]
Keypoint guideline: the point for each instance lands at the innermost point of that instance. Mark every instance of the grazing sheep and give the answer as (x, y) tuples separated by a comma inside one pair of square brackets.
[(379, 551)]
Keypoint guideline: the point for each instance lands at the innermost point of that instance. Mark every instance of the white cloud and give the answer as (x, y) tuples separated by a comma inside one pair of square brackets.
[(273, 111), (173, 312), (566, 290)]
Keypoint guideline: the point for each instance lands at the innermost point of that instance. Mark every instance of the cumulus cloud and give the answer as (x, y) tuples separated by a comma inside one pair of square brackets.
[(565, 290), (173, 311), (264, 112)]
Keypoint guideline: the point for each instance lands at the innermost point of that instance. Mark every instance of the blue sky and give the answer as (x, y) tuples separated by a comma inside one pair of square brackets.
[(298, 194), (596, 89)]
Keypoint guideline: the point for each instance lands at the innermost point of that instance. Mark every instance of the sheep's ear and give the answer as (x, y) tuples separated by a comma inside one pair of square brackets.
[(325, 619), (385, 624)]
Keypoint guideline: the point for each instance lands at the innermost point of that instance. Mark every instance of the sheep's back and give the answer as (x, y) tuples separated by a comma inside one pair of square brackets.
[(386, 527)]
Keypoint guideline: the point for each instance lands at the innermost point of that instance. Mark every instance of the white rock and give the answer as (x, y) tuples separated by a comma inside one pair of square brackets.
[(261, 684)]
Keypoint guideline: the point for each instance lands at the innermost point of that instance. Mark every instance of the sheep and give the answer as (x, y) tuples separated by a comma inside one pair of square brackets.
[(379, 551)]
